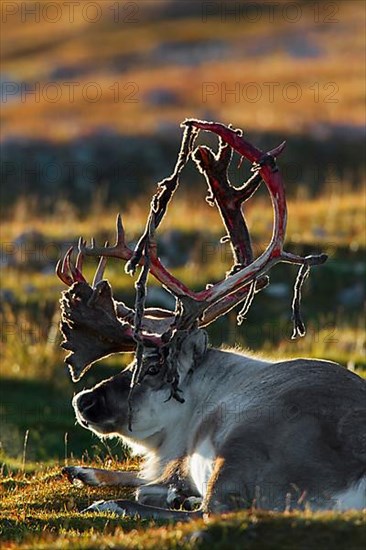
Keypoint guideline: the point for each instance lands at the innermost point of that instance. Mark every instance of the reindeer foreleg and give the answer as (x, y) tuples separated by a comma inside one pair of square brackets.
[(101, 478)]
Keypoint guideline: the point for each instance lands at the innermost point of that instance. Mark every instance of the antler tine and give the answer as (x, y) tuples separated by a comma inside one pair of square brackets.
[(63, 268), (120, 232), (264, 165), (64, 277), (277, 150), (79, 260), (100, 269), (66, 260), (225, 305), (118, 250)]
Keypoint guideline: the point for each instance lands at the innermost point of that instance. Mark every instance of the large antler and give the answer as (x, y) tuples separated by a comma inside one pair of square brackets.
[(84, 325), (94, 325), (134, 328), (231, 290), (159, 204)]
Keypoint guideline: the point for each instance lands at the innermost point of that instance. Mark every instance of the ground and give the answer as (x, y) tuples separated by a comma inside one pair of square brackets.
[(153, 71), (42, 510)]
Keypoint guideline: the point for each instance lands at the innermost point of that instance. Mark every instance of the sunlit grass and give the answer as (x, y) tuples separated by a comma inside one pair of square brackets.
[(29, 346), (336, 217), (331, 221), (42, 511), (39, 509), (339, 343)]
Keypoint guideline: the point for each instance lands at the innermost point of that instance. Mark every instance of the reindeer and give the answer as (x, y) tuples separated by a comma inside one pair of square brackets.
[(219, 430)]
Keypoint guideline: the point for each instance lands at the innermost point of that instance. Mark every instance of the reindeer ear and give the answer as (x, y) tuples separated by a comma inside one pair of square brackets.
[(192, 351)]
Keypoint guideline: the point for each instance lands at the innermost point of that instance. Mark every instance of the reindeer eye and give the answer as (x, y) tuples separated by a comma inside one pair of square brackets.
[(153, 370)]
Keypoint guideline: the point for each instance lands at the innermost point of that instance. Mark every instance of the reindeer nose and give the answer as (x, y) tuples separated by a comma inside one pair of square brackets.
[(91, 406), (85, 401)]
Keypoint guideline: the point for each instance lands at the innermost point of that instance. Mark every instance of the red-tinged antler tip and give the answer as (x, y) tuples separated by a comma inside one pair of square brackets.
[(66, 261), (58, 268), (63, 268)]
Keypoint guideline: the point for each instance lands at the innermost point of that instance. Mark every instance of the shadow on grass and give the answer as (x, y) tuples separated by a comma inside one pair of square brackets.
[(43, 411)]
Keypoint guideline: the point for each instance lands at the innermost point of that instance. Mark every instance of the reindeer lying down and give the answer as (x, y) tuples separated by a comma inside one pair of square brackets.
[(219, 430)]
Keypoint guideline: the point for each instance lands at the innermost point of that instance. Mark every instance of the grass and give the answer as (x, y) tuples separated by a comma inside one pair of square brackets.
[(39, 509), (335, 217), (42, 511), (333, 223)]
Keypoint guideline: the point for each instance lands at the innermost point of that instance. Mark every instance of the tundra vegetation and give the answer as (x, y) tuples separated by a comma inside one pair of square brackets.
[(38, 507)]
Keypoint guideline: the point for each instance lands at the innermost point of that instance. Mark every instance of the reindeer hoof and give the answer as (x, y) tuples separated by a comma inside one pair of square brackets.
[(109, 506), (79, 476)]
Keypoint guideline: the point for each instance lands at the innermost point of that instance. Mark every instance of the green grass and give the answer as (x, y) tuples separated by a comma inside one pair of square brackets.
[(333, 222), (39, 509), (42, 511)]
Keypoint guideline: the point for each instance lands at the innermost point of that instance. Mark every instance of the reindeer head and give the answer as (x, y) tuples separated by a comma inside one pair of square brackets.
[(108, 408), (167, 344)]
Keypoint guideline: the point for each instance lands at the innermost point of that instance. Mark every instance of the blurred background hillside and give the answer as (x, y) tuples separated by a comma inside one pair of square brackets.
[(92, 95)]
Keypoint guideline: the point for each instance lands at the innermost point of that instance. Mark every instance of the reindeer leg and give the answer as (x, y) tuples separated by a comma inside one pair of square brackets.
[(152, 496), (173, 489), (100, 478), (143, 511), (170, 495)]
